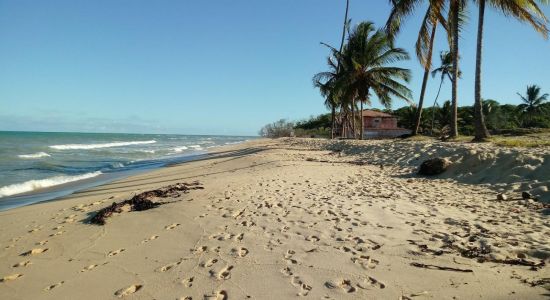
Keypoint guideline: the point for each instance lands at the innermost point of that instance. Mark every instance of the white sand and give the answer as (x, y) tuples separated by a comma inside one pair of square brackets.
[(288, 219)]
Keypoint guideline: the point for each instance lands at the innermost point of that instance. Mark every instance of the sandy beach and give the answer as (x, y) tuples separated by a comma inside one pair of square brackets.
[(297, 218)]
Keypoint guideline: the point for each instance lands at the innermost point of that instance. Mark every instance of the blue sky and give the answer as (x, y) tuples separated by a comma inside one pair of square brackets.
[(211, 67)]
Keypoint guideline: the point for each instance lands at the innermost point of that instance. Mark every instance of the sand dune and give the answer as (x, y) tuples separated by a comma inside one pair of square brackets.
[(294, 218)]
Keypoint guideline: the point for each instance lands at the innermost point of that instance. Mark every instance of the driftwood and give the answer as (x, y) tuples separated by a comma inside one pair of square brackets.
[(434, 267), (142, 201)]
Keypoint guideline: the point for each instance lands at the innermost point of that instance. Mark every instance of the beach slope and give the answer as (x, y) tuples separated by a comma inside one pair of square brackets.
[(291, 218)]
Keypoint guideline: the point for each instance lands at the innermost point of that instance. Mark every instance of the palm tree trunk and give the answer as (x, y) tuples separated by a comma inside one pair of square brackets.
[(353, 120), (362, 124), (481, 133), (433, 107), (333, 123), (344, 28), (424, 82), (455, 9)]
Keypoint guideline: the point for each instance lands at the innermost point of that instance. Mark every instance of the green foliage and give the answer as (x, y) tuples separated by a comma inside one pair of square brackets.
[(314, 122), (281, 128), (500, 119)]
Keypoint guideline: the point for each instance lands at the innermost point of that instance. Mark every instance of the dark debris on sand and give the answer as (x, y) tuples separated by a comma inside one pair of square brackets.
[(143, 201)]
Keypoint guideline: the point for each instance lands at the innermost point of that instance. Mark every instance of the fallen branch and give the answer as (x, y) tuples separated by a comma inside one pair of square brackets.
[(142, 201), (434, 267)]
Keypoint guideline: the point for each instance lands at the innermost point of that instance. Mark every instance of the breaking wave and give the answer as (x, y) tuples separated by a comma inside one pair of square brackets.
[(97, 146), (32, 185), (180, 149), (35, 155)]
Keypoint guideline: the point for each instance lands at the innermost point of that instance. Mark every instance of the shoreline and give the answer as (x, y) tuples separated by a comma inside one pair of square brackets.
[(64, 190), (284, 219)]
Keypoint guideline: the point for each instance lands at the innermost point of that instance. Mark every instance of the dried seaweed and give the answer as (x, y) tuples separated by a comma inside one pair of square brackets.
[(434, 267), (143, 201)]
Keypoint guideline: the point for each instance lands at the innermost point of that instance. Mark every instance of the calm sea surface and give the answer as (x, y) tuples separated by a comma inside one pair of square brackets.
[(38, 166)]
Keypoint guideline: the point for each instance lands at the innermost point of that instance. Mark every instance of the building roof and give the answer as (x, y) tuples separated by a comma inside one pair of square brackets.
[(376, 114)]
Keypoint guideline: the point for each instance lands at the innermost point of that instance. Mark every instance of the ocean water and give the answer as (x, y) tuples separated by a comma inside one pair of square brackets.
[(39, 166)]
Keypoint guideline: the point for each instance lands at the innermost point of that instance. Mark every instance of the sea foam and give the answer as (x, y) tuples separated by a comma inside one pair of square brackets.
[(97, 146), (35, 155), (180, 149), (32, 185)]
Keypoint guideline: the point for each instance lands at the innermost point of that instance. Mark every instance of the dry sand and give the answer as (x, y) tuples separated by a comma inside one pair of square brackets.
[(297, 218)]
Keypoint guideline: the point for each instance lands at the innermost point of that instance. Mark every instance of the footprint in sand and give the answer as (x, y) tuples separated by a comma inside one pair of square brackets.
[(242, 252), (154, 237), (239, 237), (365, 261), (171, 226), (373, 282), (199, 250), (168, 267), (286, 271), (220, 295), (22, 264), (116, 252), (128, 290), (188, 282), (312, 238), (88, 268), (209, 263), (34, 251), (225, 273), (10, 277), (304, 288), (57, 233), (53, 286), (42, 243), (344, 284)]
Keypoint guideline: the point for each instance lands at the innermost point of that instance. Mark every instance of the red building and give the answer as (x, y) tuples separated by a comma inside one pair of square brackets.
[(381, 125)]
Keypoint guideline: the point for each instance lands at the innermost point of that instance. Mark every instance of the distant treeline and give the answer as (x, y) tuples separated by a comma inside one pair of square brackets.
[(499, 119)]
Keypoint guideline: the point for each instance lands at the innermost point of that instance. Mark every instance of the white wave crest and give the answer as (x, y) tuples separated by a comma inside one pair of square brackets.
[(180, 149), (35, 155), (97, 146), (147, 151), (32, 185), (196, 147)]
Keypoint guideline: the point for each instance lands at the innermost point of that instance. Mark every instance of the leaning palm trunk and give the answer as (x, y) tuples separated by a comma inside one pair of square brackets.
[(424, 82), (455, 7), (433, 107), (481, 133)]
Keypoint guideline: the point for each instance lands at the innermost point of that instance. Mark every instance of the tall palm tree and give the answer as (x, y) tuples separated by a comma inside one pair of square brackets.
[(524, 10), (446, 70), (424, 42), (365, 66), (532, 102), (455, 8)]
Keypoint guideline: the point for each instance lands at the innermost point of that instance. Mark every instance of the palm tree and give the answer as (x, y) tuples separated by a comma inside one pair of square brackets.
[(446, 70), (365, 68), (532, 102), (523, 10), (424, 42), (456, 6)]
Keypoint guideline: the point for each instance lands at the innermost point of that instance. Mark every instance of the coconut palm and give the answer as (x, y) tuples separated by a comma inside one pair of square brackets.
[(524, 10), (365, 68), (446, 70), (425, 41), (532, 102)]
